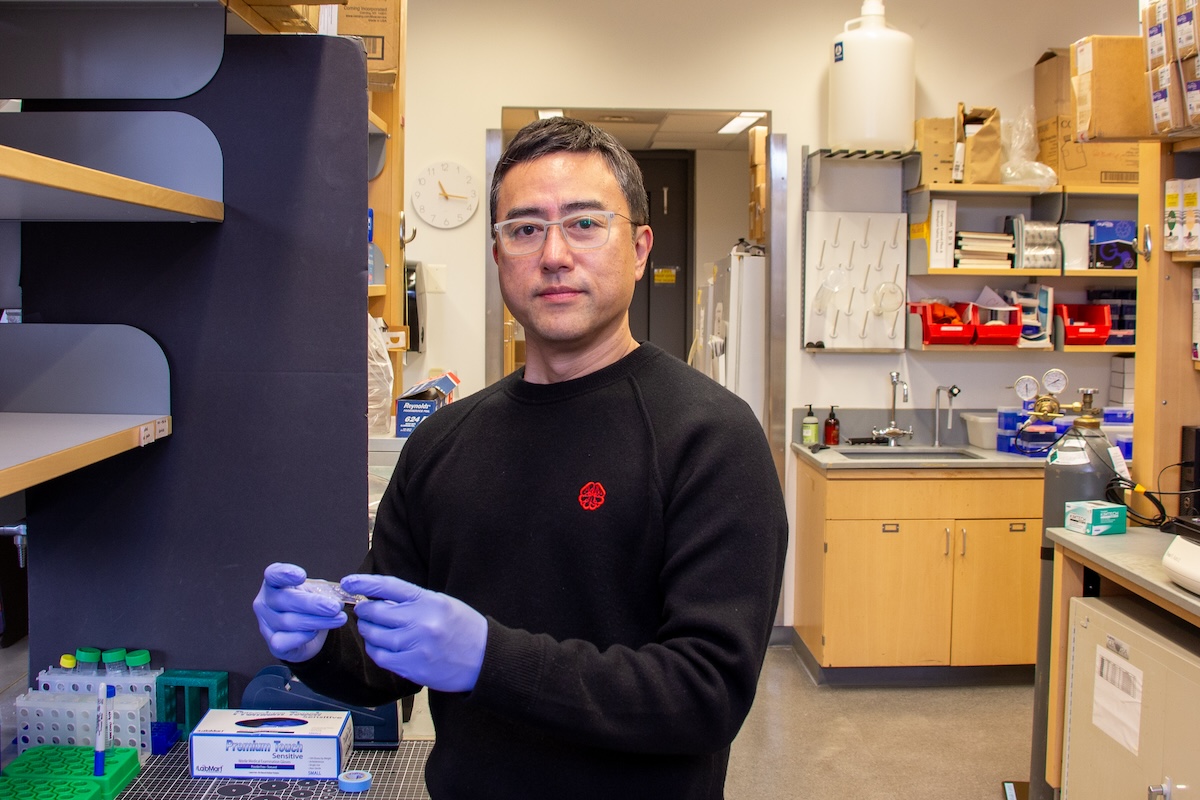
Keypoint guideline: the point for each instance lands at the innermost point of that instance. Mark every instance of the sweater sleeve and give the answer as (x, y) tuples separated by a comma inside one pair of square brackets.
[(689, 690)]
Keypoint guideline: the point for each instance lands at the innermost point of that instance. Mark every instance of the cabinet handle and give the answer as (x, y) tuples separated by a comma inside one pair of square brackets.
[(890, 527), (1160, 790), (947, 552), (1016, 527), (1147, 243), (964, 542)]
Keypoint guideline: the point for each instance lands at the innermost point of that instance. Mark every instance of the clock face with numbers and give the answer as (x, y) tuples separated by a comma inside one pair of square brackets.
[(446, 194)]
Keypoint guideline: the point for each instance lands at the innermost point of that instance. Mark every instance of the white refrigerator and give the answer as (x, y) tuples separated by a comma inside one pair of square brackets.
[(730, 329)]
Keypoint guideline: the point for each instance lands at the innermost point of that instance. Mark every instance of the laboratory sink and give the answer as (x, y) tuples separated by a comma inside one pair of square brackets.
[(874, 453)]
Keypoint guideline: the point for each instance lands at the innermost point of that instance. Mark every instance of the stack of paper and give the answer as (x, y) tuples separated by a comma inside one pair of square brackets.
[(983, 250)]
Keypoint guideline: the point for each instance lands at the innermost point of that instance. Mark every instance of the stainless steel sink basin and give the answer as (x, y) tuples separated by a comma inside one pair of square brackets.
[(867, 452)]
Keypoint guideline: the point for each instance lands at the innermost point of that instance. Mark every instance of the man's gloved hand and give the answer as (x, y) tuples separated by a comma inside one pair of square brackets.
[(427, 637), (294, 623)]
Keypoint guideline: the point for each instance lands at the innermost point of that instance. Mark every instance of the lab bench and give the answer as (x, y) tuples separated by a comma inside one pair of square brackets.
[(395, 774)]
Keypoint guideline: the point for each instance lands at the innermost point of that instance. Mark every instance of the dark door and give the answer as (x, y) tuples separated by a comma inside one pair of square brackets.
[(661, 311)]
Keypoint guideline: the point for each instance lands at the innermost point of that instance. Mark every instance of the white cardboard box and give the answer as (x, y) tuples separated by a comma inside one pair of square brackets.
[(248, 743)]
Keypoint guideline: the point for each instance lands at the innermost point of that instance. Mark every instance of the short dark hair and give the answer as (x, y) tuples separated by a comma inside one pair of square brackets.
[(566, 135)]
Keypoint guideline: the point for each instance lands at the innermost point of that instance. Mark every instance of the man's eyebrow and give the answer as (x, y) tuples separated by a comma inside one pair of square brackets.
[(540, 213)]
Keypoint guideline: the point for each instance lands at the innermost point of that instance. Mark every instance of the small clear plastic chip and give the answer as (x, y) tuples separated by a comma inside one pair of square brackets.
[(332, 590)]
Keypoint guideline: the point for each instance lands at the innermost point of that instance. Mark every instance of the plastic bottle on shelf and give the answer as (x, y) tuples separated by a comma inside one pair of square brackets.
[(87, 661), (872, 85), (114, 661), (808, 428)]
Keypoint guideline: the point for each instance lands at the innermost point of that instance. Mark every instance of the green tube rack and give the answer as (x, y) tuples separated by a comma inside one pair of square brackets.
[(71, 764), (47, 789)]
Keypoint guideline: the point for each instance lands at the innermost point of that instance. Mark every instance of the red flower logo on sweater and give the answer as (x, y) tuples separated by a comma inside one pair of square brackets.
[(591, 496)]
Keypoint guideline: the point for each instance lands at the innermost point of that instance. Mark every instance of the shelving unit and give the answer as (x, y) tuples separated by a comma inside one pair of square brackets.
[(983, 208), (226, 310)]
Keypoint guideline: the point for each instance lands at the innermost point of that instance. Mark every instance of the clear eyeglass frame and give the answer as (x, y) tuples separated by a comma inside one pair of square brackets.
[(535, 242)]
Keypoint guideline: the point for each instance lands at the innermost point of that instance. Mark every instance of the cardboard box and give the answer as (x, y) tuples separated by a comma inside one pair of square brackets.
[(1167, 106), (758, 145), (1089, 164), (978, 131), (377, 23), (1189, 69), (1184, 22), (1052, 84), (245, 743), (1158, 33), (1111, 97), (1114, 244), (935, 142), (1173, 214), (1095, 517), (1191, 214)]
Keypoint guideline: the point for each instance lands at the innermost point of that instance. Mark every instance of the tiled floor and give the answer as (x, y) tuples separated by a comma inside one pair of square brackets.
[(807, 741)]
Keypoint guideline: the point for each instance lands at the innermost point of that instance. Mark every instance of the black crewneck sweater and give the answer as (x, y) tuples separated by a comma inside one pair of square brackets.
[(624, 534)]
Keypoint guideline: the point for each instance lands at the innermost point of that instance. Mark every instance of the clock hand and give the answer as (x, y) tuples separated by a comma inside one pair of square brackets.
[(442, 190)]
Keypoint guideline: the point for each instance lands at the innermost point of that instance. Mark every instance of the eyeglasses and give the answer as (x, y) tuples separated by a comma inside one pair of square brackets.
[(585, 231)]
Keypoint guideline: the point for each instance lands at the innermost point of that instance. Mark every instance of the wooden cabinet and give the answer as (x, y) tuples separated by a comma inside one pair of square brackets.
[(881, 583), (1167, 389)]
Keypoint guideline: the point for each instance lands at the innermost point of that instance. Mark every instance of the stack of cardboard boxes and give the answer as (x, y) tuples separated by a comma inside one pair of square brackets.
[(1169, 45), (1092, 74), (377, 23)]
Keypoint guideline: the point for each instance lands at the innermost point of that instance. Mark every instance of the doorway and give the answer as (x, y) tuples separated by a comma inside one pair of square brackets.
[(661, 311)]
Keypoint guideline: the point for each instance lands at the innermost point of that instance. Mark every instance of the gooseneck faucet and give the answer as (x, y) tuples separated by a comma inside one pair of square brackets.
[(893, 433), (951, 393)]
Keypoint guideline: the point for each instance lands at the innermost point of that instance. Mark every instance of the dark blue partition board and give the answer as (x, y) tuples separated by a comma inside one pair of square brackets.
[(263, 322)]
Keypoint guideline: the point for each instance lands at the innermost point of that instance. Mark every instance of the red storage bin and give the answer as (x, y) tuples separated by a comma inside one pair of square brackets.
[(1008, 333), (941, 333), (1084, 324)]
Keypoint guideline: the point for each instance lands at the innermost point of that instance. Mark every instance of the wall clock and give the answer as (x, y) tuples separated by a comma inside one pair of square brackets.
[(446, 194)]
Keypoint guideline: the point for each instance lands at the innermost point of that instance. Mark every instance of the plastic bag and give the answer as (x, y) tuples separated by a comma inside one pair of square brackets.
[(1019, 140), (379, 379)]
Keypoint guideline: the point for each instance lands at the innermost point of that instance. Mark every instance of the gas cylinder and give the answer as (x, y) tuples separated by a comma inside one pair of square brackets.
[(872, 85), (1078, 467)]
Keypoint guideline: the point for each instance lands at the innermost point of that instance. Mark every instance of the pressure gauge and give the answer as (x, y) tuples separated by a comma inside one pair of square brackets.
[(1027, 387), (1055, 381)]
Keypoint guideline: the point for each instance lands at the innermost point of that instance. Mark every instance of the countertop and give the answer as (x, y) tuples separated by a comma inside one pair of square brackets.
[(833, 459), (1134, 556)]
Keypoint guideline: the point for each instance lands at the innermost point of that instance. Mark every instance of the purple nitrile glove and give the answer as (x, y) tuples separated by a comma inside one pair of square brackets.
[(428, 637), (294, 623)]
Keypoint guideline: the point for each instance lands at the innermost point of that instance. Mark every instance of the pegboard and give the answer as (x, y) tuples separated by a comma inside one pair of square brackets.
[(855, 272), (395, 775)]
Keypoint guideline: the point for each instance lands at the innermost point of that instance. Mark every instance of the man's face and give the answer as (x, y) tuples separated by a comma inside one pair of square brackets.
[(569, 301)]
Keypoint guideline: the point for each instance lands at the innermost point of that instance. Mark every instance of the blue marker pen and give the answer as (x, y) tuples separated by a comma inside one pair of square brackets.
[(103, 692)]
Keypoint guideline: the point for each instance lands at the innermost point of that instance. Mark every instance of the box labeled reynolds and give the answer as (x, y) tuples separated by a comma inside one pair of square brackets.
[(1095, 517), (245, 743)]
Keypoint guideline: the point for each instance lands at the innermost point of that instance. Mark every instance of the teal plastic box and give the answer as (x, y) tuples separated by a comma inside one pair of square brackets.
[(1095, 517)]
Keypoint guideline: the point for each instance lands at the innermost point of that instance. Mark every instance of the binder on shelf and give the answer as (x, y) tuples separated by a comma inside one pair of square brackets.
[(941, 233)]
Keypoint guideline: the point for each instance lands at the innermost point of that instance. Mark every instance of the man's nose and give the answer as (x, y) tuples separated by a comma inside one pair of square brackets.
[(555, 252)]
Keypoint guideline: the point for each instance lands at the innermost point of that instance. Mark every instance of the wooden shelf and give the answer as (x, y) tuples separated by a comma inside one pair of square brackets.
[(34, 187), (992, 273), (37, 447), (376, 290), (72, 395), (984, 189), (1096, 348)]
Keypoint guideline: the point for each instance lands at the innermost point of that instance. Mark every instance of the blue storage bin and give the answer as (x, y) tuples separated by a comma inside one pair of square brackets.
[(1125, 445), (1118, 414)]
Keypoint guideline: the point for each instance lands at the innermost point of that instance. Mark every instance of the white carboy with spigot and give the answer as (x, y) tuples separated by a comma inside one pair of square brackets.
[(872, 85)]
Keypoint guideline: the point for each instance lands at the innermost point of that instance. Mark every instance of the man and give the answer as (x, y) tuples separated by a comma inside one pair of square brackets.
[(600, 539)]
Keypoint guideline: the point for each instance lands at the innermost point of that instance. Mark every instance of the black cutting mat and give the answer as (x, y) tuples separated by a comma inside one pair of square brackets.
[(395, 775)]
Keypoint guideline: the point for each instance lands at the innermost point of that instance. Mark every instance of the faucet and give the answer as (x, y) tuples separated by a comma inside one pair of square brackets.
[(951, 393), (893, 433)]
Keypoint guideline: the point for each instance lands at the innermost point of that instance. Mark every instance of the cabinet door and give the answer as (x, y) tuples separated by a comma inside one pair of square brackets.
[(996, 572), (887, 592)]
